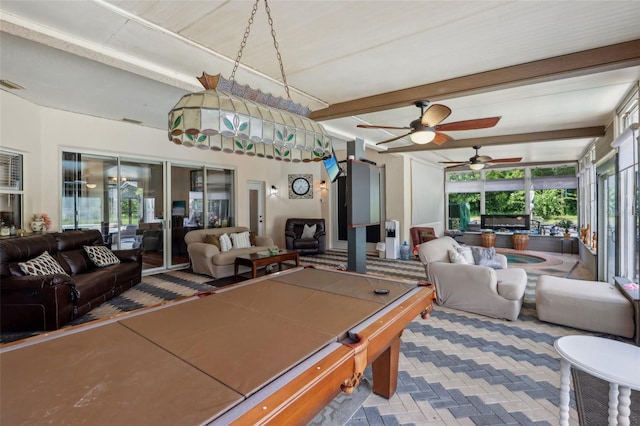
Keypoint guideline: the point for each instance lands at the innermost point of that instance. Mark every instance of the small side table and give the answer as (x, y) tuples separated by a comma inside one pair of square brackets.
[(610, 360)]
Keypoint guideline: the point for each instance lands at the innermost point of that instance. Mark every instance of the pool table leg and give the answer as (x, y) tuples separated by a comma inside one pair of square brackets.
[(385, 370)]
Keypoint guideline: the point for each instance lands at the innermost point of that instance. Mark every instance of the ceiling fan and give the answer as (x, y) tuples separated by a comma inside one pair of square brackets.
[(427, 127), (478, 162)]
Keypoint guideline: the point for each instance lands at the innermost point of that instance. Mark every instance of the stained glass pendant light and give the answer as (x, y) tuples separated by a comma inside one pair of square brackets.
[(230, 117)]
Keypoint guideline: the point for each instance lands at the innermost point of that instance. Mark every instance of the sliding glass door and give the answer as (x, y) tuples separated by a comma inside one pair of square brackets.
[(128, 201), (190, 187), (140, 188), (607, 214), (122, 198)]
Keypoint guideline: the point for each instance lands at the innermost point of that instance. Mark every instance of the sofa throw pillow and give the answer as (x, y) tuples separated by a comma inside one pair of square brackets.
[(240, 240), (252, 238), (225, 243), (485, 257), (467, 254), (41, 265), (101, 256), (308, 232), (212, 239), (455, 257)]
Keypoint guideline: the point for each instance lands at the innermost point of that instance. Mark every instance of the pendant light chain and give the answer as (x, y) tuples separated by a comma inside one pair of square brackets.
[(275, 44)]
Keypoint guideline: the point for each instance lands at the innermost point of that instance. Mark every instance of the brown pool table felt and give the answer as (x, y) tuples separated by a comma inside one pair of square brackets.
[(195, 358)]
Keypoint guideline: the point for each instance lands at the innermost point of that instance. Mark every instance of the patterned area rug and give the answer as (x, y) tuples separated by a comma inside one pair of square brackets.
[(593, 409)]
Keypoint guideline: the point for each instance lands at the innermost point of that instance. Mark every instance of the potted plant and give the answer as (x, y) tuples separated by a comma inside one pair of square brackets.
[(565, 224), (40, 222)]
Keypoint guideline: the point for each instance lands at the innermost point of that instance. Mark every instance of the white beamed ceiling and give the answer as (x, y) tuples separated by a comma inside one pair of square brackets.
[(135, 59)]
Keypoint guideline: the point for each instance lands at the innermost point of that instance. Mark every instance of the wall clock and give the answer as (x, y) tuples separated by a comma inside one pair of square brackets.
[(301, 186)]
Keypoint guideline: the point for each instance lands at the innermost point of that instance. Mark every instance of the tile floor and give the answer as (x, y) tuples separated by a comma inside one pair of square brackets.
[(458, 368)]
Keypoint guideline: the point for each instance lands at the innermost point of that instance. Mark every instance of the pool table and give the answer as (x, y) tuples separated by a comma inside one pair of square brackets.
[(276, 349)]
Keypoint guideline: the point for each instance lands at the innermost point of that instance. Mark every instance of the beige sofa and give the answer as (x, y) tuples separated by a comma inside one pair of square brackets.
[(496, 293), (208, 259)]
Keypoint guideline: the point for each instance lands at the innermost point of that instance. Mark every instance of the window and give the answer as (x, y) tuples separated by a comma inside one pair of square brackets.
[(464, 199), (547, 193), (554, 194), (504, 192), (11, 190), (628, 184)]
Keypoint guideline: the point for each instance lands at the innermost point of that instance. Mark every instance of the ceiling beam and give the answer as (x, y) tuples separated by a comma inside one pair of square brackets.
[(617, 56), (465, 167), (552, 135)]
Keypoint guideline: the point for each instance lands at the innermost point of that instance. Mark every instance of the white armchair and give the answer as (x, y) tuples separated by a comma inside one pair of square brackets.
[(496, 293)]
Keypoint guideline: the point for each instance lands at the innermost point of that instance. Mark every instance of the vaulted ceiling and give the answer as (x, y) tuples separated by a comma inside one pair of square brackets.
[(553, 70)]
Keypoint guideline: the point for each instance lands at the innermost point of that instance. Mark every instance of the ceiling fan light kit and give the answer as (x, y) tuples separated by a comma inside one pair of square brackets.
[(479, 162), (427, 127), (230, 117), (422, 137)]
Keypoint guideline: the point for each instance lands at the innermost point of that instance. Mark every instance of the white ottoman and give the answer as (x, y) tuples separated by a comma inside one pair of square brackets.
[(587, 305)]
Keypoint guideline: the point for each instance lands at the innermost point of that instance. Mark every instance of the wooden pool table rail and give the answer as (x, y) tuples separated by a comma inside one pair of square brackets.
[(317, 381)]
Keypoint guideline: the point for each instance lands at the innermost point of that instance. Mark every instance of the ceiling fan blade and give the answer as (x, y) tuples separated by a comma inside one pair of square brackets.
[(506, 160), (393, 139), (441, 138), (459, 163), (478, 123), (372, 126), (434, 115)]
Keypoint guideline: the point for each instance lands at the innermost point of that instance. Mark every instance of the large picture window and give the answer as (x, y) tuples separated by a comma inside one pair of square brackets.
[(548, 194)]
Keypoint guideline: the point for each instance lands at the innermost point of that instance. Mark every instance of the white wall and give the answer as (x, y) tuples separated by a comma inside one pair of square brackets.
[(47, 132), (427, 193)]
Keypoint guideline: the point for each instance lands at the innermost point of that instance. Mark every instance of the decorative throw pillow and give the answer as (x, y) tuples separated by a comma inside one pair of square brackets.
[(455, 257), (225, 243), (486, 257), (252, 238), (240, 240), (467, 254), (101, 256), (308, 232), (41, 265), (212, 239)]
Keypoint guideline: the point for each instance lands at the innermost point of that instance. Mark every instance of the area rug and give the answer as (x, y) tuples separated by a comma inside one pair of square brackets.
[(592, 402)]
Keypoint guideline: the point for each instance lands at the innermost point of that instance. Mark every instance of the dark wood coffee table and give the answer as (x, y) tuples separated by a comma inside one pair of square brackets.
[(263, 258)]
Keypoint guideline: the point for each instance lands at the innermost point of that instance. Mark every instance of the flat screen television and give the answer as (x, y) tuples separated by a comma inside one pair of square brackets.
[(332, 167)]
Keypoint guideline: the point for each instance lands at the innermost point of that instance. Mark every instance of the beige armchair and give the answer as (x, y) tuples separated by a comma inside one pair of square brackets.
[(496, 293)]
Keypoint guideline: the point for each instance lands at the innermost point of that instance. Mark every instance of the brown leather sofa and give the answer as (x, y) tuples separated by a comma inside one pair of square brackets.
[(293, 233), (48, 302)]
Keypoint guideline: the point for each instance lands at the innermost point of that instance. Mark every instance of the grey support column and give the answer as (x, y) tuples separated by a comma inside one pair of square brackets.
[(356, 237)]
